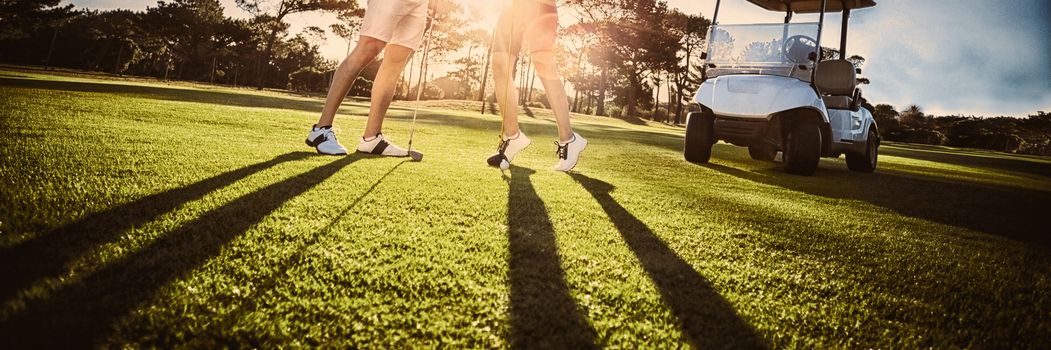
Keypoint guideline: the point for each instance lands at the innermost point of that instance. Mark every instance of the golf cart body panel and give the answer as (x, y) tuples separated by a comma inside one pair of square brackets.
[(850, 129), (757, 96), (812, 6)]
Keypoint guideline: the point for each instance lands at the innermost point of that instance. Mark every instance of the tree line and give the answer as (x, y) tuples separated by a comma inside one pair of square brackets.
[(176, 39), (619, 58), (1029, 135)]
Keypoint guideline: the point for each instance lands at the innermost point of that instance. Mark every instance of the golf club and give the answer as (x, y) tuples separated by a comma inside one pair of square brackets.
[(415, 155)]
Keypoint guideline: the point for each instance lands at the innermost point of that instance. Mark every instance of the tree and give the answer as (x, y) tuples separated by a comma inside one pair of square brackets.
[(913, 116), (575, 41), (692, 29), (270, 16), (446, 35), (348, 26), (20, 18), (597, 15), (632, 44), (189, 31), (886, 117)]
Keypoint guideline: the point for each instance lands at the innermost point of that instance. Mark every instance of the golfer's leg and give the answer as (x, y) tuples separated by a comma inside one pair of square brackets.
[(394, 59), (547, 69), (364, 52), (505, 56), (506, 91)]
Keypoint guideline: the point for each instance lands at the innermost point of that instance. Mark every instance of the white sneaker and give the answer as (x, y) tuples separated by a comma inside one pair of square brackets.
[(569, 153), (378, 145), (507, 150), (324, 140)]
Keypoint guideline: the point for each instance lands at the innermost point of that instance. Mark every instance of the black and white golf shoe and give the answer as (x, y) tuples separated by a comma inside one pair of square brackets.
[(378, 145), (507, 150), (569, 152), (324, 140)]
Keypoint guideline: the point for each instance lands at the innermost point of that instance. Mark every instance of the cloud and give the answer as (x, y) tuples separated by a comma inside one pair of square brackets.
[(973, 57)]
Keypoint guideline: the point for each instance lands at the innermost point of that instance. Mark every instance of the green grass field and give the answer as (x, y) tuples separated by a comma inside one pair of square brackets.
[(142, 214)]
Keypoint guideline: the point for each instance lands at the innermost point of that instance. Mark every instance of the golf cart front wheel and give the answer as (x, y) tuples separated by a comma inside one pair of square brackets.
[(763, 153), (802, 148), (700, 137), (865, 163)]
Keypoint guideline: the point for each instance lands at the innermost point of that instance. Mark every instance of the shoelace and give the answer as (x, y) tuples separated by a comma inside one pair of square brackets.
[(503, 146), (562, 151), (329, 134)]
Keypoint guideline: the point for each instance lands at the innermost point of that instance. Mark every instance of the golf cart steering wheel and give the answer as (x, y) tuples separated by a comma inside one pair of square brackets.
[(797, 48)]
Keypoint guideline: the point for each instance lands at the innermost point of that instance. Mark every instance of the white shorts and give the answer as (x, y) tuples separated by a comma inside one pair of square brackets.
[(397, 22)]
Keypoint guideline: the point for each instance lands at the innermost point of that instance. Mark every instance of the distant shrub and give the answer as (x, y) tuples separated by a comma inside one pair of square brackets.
[(924, 136), (433, 92), (661, 115), (614, 112), (307, 80)]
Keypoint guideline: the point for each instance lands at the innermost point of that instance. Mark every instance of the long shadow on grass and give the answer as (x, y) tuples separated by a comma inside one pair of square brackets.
[(227, 330), (1007, 212), (49, 254), (543, 313), (707, 319), (83, 313)]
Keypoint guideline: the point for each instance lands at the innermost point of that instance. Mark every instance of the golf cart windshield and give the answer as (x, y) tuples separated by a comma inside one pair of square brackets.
[(769, 49)]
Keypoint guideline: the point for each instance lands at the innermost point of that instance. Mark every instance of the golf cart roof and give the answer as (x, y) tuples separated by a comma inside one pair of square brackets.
[(812, 6)]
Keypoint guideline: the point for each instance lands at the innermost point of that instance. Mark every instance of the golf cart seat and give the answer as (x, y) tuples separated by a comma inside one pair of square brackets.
[(837, 81)]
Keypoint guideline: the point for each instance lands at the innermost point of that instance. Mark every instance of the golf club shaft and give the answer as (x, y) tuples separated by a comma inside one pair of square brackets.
[(419, 87)]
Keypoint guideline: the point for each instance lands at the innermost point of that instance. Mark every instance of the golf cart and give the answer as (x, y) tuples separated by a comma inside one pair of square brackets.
[(765, 88)]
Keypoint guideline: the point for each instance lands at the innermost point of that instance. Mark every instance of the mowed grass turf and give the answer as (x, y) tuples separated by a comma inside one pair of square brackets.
[(141, 214)]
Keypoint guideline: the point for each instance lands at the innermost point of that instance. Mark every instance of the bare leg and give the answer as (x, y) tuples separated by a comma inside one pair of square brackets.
[(506, 92), (394, 59), (547, 68), (364, 52)]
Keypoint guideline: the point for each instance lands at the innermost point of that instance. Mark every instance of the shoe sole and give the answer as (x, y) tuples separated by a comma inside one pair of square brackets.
[(378, 155)]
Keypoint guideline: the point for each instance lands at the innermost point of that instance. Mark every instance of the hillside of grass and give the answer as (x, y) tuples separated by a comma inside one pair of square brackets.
[(136, 213)]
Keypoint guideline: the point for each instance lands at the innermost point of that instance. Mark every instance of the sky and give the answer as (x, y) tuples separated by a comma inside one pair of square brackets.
[(966, 57)]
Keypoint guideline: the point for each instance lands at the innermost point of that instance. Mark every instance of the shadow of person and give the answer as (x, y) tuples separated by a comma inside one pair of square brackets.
[(707, 319), (82, 313), (226, 327), (49, 254), (996, 210), (543, 313)]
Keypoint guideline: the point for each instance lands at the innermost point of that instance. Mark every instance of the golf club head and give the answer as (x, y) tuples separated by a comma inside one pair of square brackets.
[(416, 156)]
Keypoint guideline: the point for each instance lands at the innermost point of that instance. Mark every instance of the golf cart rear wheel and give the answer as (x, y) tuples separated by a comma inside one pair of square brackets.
[(763, 153), (865, 163), (802, 148), (700, 137)]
